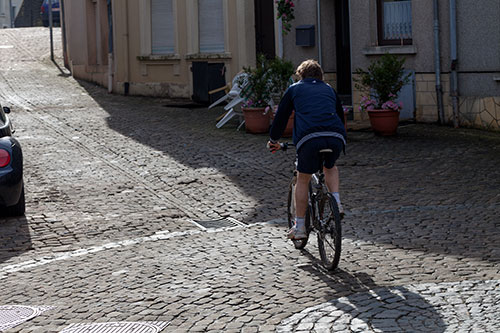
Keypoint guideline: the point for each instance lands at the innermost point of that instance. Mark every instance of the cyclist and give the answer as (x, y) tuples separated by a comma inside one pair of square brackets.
[(319, 124)]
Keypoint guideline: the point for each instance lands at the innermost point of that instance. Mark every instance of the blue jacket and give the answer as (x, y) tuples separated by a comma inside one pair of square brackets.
[(318, 112)]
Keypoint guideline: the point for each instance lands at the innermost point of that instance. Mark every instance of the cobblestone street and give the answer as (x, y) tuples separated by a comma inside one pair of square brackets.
[(140, 212)]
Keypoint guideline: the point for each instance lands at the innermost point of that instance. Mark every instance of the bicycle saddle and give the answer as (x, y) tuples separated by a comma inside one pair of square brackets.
[(328, 150)]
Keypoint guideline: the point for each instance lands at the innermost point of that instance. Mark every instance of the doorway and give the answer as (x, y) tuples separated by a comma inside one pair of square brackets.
[(264, 28), (343, 47)]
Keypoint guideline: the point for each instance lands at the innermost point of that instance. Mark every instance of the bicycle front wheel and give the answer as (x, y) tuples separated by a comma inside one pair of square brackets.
[(330, 232)]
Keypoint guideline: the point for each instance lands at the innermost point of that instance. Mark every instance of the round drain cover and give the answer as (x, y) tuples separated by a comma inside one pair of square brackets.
[(13, 315)]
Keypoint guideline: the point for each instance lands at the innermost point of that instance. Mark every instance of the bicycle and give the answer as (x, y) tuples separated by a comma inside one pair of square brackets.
[(324, 213)]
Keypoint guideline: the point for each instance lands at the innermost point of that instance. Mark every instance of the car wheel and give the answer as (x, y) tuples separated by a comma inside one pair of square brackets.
[(19, 208)]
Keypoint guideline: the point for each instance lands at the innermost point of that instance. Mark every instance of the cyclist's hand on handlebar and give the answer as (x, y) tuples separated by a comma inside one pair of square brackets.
[(273, 147)]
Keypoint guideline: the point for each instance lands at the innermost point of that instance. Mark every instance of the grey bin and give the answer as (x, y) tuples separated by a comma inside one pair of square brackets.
[(305, 35)]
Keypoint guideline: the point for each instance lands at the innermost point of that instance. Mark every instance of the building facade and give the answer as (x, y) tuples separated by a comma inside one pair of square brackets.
[(452, 51), (9, 9), (186, 48), (170, 48)]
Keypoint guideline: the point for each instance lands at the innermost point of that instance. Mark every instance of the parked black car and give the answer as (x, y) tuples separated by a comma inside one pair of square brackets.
[(11, 169), (56, 13)]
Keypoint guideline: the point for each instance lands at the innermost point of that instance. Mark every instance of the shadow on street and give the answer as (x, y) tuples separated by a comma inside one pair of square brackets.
[(430, 188), (14, 237)]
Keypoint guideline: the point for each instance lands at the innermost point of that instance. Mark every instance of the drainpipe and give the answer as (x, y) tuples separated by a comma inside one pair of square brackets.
[(320, 57), (110, 47), (454, 61), (437, 65), (126, 84), (280, 38), (11, 14)]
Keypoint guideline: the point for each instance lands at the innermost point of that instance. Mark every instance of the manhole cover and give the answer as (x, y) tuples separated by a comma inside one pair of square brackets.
[(13, 315), (220, 223), (117, 327)]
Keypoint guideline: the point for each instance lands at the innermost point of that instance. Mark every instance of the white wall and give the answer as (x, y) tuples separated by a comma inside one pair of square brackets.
[(5, 13)]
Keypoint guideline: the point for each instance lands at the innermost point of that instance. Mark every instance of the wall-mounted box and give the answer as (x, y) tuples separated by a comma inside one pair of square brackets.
[(305, 35)]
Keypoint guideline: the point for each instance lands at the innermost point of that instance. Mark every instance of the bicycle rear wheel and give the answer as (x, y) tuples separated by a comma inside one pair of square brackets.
[(330, 232), (298, 243)]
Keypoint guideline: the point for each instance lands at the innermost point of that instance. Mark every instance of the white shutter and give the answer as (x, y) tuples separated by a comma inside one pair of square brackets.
[(211, 26), (162, 27)]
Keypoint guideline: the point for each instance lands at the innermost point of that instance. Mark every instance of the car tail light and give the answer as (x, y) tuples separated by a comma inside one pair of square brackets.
[(4, 158)]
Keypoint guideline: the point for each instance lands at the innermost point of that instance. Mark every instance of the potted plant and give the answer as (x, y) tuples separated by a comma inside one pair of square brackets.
[(382, 82), (281, 71), (257, 94)]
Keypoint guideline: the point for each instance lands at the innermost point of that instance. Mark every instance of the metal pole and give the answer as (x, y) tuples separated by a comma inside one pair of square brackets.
[(51, 35), (320, 56), (454, 61), (11, 14), (437, 64)]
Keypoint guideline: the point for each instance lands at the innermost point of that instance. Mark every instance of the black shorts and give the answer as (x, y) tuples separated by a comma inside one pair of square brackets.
[(309, 159)]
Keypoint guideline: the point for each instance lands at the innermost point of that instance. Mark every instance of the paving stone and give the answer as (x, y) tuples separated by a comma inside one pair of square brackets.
[(112, 183)]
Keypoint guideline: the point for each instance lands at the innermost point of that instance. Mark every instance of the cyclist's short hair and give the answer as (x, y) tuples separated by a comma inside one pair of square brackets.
[(309, 69)]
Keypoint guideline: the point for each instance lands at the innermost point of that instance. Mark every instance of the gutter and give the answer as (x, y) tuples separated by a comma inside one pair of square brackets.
[(454, 61), (320, 56), (126, 84), (437, 65)]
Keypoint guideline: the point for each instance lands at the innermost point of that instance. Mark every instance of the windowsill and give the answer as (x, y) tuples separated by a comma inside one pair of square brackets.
[(497, 78), (159, 58), (391, 49), (208, 56)]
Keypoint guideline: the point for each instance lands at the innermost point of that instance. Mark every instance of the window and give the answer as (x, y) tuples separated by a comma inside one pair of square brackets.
[(211, 26), (394, 22), (162, 27)]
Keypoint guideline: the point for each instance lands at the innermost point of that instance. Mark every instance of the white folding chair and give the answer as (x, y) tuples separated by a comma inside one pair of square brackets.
[(239, 82)]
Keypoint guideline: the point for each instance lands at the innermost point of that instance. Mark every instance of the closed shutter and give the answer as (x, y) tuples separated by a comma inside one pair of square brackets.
[(162, 27), (211, 26)]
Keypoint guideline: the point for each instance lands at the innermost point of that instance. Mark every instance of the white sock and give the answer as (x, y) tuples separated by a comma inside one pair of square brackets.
[(300, 222), (336, 195)]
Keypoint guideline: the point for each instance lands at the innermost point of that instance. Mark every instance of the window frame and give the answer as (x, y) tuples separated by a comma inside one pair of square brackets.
[(380, 29)]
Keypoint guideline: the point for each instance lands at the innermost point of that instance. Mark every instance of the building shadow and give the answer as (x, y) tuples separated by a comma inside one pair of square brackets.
[(14, 237), (366, 307), (378, 182)]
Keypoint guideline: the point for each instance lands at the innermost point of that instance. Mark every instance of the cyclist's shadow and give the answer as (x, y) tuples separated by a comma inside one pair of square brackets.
[(367, 307)]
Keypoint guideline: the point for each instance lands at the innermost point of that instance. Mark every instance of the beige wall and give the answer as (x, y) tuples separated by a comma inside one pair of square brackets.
[(170, 75), (146, 74), (86, 35)]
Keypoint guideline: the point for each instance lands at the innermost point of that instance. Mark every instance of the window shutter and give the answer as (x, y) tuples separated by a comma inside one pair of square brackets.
[(162, 27), (211, 26)]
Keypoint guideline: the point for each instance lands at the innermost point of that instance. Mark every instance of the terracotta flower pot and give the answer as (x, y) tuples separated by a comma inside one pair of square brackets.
[(384, 122), (256, 120)]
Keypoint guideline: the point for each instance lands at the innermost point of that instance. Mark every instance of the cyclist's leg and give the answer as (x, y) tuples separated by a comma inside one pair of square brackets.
[(301, 194), (331, 172), (308, 162), (332, 178)]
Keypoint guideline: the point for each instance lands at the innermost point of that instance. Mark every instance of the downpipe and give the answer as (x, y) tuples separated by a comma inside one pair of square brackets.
[(320, 56), (437, 65), (454, 62)]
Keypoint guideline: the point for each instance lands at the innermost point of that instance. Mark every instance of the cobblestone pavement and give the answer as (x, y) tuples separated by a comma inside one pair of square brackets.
[(115, 184)]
